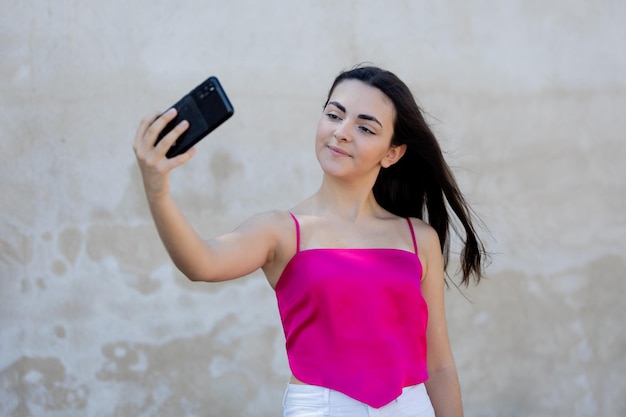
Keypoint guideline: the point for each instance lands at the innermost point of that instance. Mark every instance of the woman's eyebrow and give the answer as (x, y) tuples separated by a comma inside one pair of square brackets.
[(360, 116)]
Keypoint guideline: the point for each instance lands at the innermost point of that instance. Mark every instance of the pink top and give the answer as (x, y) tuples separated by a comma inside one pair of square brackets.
[(355, 320)]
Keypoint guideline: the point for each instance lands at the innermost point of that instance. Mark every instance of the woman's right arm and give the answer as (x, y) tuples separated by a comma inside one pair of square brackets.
[(230, 256)]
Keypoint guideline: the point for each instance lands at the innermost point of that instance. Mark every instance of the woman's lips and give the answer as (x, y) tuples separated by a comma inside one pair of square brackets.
[(337, 151)]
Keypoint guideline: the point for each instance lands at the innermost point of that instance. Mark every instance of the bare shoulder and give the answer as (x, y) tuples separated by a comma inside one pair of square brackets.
[(279, 227), (270, 224), (428, 246), (261, 233), (426, 236), (270, 219), (429, 250)]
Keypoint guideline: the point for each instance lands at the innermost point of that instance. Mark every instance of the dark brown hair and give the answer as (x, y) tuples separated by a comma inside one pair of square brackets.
[(421, 183)]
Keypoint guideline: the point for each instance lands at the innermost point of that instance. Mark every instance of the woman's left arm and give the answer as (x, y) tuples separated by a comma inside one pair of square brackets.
[(443, 382)]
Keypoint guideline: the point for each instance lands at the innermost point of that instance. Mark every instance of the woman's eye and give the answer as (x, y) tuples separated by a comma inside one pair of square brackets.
[(366, 130), (332, 116)]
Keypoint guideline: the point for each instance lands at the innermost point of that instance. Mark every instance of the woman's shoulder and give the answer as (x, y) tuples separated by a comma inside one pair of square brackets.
[(275, 220), (279, 228), (282, 222), (425, 235), (276, 226)]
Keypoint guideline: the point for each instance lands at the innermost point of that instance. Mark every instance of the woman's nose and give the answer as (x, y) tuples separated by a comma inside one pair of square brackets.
[(342, 133)]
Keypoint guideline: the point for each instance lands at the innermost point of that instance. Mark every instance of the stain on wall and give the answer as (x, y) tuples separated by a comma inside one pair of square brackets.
[(187, 376), (39, 385)]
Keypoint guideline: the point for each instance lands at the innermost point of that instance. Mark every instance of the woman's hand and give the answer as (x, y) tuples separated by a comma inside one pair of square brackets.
[(154, 165)]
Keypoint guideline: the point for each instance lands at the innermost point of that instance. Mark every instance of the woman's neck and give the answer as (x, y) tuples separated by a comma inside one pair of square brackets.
[(347, 200)]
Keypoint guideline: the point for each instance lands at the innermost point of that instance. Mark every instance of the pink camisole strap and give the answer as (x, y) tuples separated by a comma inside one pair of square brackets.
[(412, 234), (295, 220)]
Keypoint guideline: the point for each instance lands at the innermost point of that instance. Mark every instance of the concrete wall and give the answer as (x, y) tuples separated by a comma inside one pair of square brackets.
[(527, 96)]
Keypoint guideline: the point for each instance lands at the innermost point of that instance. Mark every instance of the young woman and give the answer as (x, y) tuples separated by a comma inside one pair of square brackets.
[(358, 267)]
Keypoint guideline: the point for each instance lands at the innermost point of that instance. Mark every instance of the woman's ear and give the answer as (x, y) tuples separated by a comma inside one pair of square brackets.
[(393, 155)]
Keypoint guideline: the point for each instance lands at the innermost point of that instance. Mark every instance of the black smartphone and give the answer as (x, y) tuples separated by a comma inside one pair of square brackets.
[(205, 108)]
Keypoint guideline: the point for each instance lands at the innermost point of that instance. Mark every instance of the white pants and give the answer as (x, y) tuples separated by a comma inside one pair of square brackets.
[(314, 401)]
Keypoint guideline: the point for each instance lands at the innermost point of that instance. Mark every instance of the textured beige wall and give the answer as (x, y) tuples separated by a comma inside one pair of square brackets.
[(529, 98)]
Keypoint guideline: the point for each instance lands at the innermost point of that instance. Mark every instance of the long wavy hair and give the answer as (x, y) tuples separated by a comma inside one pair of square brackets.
[(421, 183)]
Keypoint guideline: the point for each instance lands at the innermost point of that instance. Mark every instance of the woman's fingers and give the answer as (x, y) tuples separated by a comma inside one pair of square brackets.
[(149, 130), (168, 140), (158, 125), (141, 130), (152, 160)]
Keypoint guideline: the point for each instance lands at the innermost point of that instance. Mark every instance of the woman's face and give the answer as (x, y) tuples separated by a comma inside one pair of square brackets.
[(354, 133)]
